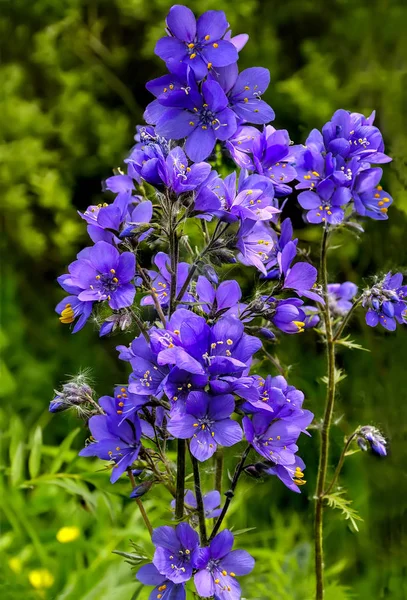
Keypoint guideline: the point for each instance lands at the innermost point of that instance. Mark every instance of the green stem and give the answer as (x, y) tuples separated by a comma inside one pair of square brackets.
[(216, 235), (326, 426), (199, 500), (140, 325), (218, 469), (340, 462), (346, 320), (230, 493), (153, 295), (174, 252), (140, 504), (180, 491)]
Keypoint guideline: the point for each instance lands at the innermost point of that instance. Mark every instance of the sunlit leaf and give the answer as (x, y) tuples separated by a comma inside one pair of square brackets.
[(34, 461)]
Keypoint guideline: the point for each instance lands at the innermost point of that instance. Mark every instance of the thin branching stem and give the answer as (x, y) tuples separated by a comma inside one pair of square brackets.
[(140, 504), (326, 424), (199, 500), (346, 320), (340, 462), (230, 493)]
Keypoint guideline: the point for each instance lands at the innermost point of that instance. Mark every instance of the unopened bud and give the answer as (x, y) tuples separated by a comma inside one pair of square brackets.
[(141, 489), (369, 436), (74, 393)]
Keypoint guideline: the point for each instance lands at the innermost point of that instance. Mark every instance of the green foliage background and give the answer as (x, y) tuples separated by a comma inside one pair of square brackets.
[(73, 74)]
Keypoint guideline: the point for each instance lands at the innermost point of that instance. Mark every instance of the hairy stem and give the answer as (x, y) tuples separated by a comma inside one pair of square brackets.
[(180, 491), (140, 504), (140, 325), (199, 500), (340, 462), (218, 469), (326, 426), (157, 305), (230, 493), (174, 252), (216, 235), (346, 320)]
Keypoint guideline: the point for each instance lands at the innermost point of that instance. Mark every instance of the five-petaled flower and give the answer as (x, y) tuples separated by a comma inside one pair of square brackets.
[(206, 423), (199, 43)]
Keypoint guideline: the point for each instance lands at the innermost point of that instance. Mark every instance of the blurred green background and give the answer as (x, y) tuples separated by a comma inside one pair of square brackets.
[(73, 75)]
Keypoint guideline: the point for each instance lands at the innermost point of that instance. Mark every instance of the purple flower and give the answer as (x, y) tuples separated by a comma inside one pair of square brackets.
[(325, 203), (217, 301), (181, 77), (146, 155), (161, 281), (105, 218), (147, 377), (202, 118), (370, 436), (206, 423), (274, 263), (102, 273), (255, 242), (218, 565), (211, 502), (176, 551), (352, 134), (71, 308), (276, 440), (193, 346), (254, 199), (340, 296), (369, 197), (386, 302), (179, 384), (123, 403), (272, 157), (312, 163), (244, 91), (287, 315), (292, 476), (240, 146), (198, 43), (278, 398), (178, 176), (141, 215), (164, 588), (301, 278), (116, 439)]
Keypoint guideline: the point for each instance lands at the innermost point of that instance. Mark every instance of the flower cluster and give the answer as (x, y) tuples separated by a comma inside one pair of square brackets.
[(335, 166), (192, 363), (386, 302), (178, 557)]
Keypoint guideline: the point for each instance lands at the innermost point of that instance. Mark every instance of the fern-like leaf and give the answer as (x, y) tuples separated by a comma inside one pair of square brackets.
[(339, 501)]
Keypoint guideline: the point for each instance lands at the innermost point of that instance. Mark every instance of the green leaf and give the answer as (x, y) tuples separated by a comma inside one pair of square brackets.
[(351, 344), (340, 375), (34, 461), (339, 501), (63, 451), (17, 465), (16, 430)]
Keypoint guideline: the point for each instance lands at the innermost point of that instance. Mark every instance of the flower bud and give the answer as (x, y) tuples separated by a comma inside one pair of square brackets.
[(370, 436), (74, 393), (141, 489)]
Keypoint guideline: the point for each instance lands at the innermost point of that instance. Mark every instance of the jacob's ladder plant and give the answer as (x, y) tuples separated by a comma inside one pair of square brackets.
[(192, 383)]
